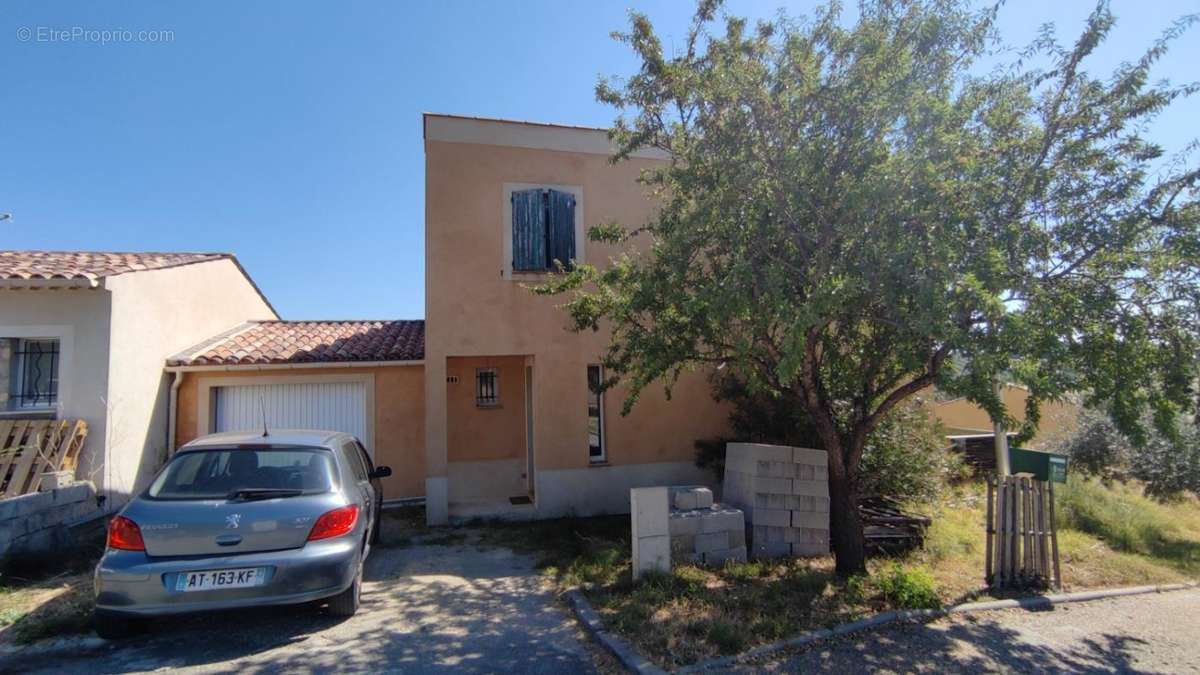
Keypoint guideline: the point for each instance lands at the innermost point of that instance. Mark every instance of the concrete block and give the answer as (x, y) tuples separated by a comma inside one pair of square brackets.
[(691, 497), (809, 550), (759, 452), (813, 520), (717, 558), (772, 550), (821, 473), (684, 523), (724, 520), (651, 553), (814, 488), (820, 505), (685, 500), (809, 535), (649, 511), (779, 486), (737, 538), (773, 517), (681, 545), (777, 535), (804, 471), (777, 469), (712, 541), (810, 456)]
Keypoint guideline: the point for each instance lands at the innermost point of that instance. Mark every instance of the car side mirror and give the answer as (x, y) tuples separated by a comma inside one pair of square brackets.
[(381, 472)]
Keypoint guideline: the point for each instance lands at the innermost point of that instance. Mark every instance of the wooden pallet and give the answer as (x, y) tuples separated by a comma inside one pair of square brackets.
[(888, 529), (1022, 536), (28, 448)]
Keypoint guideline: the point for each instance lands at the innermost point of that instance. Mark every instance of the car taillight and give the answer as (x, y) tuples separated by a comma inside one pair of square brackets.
[(124, 534), (335, 523)]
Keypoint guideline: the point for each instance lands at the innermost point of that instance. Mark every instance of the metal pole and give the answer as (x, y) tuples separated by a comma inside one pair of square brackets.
[(1001, 439)]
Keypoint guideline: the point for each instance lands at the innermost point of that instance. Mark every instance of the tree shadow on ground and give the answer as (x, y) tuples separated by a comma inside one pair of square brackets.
[(960, 646)]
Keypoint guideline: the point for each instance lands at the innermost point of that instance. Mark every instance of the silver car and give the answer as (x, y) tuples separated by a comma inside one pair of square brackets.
[(243, 519)]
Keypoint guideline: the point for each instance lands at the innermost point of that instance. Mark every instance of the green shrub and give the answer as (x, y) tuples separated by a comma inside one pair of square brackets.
[(1125, 520), (907, 588), (727, 637)]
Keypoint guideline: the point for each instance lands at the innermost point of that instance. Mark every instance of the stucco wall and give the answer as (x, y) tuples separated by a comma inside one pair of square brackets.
[(472, 310), (80, 320), (399, 429), (961, 417), (156, 314), (486, 433)]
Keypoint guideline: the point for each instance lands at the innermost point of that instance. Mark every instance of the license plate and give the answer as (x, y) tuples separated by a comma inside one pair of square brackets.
[(211, 580)]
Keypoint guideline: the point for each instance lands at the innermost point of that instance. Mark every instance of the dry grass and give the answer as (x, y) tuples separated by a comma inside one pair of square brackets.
[(694, 613), (48, 608)]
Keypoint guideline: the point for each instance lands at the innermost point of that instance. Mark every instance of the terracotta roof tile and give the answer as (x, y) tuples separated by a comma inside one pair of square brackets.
[(277, 342), (90, 266)]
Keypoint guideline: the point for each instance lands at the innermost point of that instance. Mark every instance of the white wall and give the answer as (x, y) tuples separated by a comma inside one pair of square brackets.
[(156, 314), (79, 318)]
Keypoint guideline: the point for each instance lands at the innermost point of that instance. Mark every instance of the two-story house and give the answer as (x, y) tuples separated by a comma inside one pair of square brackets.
[(490, 406), (513, 419)]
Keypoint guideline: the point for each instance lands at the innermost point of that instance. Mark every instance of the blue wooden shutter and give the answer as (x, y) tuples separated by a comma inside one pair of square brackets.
[(529, 231), (561, 208)]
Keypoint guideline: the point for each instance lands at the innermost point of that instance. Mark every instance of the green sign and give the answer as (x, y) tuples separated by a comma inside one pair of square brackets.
[(1045, 466)]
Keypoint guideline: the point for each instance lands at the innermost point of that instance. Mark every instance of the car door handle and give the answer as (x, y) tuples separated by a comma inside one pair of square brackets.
[(229, 540)]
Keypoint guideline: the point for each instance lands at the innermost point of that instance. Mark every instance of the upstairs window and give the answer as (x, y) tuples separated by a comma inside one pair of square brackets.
[(32, 373), (543, 222), (487, 388)]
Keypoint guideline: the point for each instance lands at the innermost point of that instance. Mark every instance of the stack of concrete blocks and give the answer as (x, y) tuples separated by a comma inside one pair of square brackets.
[(682, 525), (784, 492), (648, 509), (704, 533)]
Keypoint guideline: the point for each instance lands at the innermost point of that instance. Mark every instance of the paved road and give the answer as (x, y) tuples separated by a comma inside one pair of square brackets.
[(426, 609), (1136, 634)]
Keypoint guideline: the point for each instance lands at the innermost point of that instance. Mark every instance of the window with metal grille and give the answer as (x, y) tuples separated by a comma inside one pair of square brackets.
[(487, 387), (34, 376)]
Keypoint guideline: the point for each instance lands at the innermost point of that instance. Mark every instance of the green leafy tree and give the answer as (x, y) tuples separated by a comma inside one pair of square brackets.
[(851, 213)]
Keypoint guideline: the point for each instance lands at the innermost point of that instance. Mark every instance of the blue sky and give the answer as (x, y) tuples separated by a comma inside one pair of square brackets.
[(290, 132)]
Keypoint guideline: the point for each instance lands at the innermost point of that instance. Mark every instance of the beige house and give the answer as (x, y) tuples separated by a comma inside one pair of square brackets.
[(84, 336), (487, 407)]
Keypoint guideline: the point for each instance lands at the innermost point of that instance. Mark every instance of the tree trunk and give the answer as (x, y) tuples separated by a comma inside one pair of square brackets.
[(845, 527)]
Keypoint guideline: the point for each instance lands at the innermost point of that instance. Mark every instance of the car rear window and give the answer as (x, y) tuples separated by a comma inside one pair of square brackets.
[(213, 474)]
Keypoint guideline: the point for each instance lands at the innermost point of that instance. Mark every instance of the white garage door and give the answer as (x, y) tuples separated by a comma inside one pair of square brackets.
[(331, 406)]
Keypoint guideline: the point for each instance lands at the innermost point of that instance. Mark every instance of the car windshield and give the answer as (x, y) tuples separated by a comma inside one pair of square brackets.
[(223, 472)]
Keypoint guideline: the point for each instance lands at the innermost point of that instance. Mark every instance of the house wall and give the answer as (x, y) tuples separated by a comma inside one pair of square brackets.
[(486, 445), (473, 310), (399, 409), (156, 314), (79, 318), (961, 417)]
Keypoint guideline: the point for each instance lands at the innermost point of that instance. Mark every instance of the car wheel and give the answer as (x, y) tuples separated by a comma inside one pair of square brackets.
[(112, 627), (346, 603)]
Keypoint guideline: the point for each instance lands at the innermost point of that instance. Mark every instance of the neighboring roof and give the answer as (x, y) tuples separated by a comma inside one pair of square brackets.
[(85, 269), (91, 266), (284, 342), (287, 437)]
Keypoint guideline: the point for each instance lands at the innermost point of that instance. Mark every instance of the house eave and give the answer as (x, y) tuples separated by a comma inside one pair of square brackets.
[(252, 367)]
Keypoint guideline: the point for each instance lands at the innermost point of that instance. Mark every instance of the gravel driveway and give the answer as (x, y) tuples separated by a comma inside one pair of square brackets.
[(1136, 634), (459, 606)]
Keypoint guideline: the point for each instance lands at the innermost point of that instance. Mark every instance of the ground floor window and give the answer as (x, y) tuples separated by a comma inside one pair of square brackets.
[(596, 451), (31, 371), (487, 388)]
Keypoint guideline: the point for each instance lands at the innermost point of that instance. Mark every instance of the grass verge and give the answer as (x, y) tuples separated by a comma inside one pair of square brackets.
[(1108, 536)]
